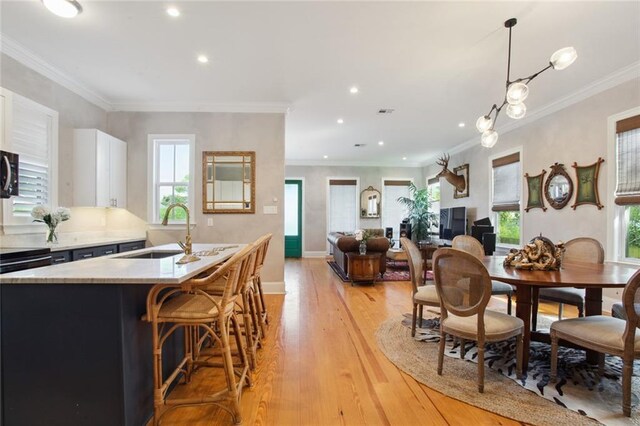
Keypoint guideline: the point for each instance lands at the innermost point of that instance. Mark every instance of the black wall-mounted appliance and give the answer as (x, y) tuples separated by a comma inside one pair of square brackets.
[(8, 174)]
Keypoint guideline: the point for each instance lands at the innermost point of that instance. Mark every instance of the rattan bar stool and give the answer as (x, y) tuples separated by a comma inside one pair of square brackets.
[(171, 307), (259, 295)]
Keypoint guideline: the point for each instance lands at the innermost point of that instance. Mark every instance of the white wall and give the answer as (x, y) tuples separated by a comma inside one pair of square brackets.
[(315, 195)]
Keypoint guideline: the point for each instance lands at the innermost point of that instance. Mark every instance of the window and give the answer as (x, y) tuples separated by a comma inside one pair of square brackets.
[(171, 166), (505, 198), (433, 191), (627, 193), (33, 135), (343, 205), (392, 211)]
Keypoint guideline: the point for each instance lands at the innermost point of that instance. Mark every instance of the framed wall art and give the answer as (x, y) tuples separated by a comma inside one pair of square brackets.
[(587, 184), (462, 171), (535, 199), (558, 188)]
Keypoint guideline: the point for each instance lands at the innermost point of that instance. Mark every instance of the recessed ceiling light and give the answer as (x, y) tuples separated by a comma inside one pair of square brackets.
[(404, 158), (63, 8), (461, 124), (340, 121), (172, 11), (325, 156), (380, 143), (203, 59), (353, 90)]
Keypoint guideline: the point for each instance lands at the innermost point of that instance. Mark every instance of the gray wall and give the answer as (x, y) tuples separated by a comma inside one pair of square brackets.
[(73, 110), (263, 133), (315, 194)]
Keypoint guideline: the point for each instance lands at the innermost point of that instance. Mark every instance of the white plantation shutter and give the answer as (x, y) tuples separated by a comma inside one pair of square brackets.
[(33, 136), (31, 132), (342, 205)]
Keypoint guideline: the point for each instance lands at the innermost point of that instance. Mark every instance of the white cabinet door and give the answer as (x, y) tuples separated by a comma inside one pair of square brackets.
[(118, 172), (103, 166)]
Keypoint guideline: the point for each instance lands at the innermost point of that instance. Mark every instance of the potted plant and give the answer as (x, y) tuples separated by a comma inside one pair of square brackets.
[(418, 206)]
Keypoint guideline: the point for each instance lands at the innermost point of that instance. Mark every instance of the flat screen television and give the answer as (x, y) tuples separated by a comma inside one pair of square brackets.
[(453, 222)]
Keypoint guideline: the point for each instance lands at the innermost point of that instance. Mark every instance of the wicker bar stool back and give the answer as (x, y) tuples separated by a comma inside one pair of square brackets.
[(190, 307)]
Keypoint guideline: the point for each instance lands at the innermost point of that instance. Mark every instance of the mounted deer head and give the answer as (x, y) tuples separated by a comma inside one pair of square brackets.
[(456, 180)]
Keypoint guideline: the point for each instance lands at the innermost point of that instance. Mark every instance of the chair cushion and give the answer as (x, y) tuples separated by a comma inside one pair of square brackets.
[(427, 294), (573, 296), (597, 329), (495, 323), (501, 288), (188, 306)]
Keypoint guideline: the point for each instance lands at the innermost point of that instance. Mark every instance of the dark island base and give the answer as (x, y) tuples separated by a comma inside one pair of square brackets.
[(77, 355)]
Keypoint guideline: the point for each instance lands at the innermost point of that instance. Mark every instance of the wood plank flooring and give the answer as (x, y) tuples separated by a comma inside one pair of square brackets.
[(320, 364)]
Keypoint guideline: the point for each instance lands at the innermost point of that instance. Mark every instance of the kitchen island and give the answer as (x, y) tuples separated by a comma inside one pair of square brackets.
[(73, 347)]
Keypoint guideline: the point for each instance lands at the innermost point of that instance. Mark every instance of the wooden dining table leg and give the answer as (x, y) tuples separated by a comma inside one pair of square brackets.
[(523, 311), (593, 306)]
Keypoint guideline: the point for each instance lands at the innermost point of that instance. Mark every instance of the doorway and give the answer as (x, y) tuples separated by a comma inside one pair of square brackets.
[(293, 218)]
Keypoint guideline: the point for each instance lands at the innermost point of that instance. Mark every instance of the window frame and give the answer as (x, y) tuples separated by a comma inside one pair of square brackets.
[(24, 224), (616, 232), (493, 214), (383, 200), (328, 204), (153, 141)]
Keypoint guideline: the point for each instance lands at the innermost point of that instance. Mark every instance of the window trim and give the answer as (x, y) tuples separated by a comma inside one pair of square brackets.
[(493, 214), (427, 179), (24, 225), (615, 214), (328, 203), (151, 173)]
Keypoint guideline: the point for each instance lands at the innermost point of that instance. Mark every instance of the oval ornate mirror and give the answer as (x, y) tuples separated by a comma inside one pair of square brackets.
[(558, 189), (228, 182), (370, 200)]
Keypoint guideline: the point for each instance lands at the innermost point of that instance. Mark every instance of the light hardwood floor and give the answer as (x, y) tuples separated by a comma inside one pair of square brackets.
[(320, 364)]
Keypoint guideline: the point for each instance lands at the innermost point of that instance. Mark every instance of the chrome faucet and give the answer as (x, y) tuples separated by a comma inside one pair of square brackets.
[(186, 246)]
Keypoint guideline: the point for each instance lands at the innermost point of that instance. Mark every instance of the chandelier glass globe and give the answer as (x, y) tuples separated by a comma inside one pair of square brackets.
[(517, 93), (489, 138), (516, 111), (484, 123), (562, 58)]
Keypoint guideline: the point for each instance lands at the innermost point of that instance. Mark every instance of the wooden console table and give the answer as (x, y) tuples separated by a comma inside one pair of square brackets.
[(363, 268)]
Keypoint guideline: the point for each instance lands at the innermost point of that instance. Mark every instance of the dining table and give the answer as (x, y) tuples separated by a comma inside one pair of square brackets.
[(592, 277)]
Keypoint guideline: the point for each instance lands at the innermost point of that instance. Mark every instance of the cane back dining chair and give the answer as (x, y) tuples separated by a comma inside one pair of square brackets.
[(464, 288), (583, 250), (423, 294), (471, 245), (606, 335), (188, 306)]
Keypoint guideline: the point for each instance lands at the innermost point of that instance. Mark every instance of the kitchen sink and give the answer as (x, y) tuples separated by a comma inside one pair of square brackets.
[(150, 255)]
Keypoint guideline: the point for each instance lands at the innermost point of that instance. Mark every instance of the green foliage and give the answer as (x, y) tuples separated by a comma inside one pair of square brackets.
[(633, 233), (509, 228), (180, 195), (418, 205)]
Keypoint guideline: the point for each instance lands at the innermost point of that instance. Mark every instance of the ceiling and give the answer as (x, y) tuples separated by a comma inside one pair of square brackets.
[(435, 63)]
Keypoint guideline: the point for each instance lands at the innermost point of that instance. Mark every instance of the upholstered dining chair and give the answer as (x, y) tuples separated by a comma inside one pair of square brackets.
[(464, 288), (606, 335), (584, 250), (422, 294), (471, 245), (189, 307)]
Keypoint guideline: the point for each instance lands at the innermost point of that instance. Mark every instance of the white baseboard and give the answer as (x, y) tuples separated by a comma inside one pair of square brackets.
[(314, 254), (274, 287)]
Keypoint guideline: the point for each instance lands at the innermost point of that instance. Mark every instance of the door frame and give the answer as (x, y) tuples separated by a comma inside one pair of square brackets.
[(302, 209)]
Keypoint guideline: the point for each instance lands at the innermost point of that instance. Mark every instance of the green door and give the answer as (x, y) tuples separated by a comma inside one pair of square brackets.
[(293, 218)]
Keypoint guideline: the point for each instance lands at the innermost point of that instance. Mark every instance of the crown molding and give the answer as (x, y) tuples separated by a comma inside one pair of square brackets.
[(348, 163), (609, 81), (248, 107), (15, 50)]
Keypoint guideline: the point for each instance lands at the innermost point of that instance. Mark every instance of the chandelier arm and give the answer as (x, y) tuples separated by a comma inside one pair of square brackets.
[(531, 77), (509, 57)]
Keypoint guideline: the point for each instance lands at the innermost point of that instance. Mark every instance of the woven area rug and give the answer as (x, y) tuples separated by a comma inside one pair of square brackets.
[(532, 400), (396, 271)]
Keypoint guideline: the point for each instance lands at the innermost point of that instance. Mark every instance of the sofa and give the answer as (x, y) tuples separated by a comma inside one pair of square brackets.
[(343, 244)]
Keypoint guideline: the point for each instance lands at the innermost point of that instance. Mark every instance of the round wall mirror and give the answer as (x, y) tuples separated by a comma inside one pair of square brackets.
[(558, 188)]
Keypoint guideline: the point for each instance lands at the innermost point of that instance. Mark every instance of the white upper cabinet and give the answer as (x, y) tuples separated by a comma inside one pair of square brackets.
[(100, 169)]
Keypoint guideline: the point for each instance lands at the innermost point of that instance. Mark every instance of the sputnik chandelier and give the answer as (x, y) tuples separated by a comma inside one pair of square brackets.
[(518, 90)]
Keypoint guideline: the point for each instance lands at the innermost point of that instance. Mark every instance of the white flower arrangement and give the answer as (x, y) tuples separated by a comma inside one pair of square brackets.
[(359, 234), (51, 219)]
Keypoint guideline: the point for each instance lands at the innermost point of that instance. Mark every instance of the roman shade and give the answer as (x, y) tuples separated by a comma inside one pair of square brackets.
[(506, 183), (433, 181), (343, 182), (628, 161)]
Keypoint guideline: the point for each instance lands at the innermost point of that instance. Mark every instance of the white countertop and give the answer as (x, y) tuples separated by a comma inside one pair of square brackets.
[(72, 245), (117, 269)]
